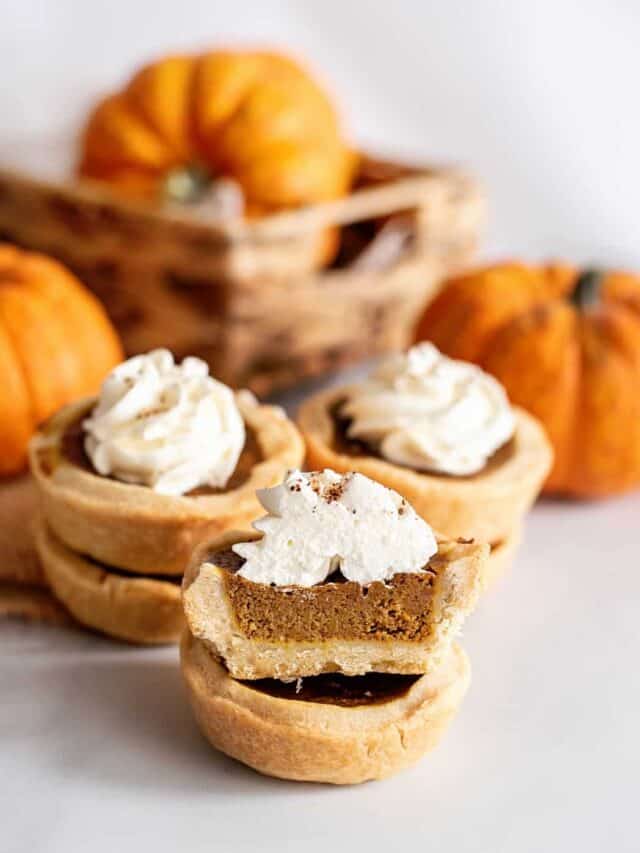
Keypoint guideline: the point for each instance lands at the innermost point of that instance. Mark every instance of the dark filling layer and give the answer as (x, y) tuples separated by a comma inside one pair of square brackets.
[(175, 580), (400, 609), (349, 446), (72, 448), (375, 688)]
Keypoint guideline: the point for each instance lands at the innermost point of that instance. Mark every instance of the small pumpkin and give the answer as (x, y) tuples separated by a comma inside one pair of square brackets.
[(566, 346), (56, 344), (256, 117)]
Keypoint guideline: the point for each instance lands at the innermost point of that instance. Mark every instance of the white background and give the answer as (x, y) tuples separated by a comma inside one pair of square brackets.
[(540, 98), (97, 748)]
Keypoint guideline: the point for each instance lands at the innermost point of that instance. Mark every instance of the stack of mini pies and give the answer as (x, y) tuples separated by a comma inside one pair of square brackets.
[(338, 682)]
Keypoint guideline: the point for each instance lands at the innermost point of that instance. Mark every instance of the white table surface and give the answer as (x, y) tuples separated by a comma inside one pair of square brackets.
[(98, 749)]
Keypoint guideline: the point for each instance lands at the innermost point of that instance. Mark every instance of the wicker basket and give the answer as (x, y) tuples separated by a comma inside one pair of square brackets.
[(245, 295)]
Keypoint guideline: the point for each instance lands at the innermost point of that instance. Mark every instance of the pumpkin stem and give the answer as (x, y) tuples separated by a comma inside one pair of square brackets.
[(185, 184), (587, 289)]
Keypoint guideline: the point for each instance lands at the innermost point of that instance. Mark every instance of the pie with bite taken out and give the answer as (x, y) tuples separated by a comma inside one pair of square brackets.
[(400, 626)]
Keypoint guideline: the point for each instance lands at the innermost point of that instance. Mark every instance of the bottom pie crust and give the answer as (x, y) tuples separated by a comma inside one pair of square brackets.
[(139, 610), (321, 742)]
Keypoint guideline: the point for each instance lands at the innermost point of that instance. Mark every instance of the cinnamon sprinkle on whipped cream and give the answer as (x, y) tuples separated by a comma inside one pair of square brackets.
[(321, 521), (168, 426)]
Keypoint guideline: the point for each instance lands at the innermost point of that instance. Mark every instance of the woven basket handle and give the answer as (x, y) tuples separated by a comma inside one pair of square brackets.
[(419, 193)]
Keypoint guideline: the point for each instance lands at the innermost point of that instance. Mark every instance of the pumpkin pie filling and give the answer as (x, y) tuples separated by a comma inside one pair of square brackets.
[(400, 608), (175, 580)]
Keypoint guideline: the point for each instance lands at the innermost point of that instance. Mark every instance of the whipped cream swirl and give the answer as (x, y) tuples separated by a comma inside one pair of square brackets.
[(431, 413), (165, 425), (321, 521)]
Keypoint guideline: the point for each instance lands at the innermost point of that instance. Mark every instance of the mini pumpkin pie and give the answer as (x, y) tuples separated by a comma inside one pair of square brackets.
[(442, 434), (314, 643), (130, 483)]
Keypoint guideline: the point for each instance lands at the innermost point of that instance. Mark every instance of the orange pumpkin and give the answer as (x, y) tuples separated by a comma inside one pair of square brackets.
[(56, 344), (256, 117), (566, 346)]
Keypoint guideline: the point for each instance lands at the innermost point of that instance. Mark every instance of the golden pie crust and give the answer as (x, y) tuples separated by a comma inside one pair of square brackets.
[(134, 528), (487, 506), (136, 609), (317, 742)]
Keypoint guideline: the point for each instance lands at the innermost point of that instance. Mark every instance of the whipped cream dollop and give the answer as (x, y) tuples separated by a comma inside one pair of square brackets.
[(431, 413), (165, 425), (321, 521)]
